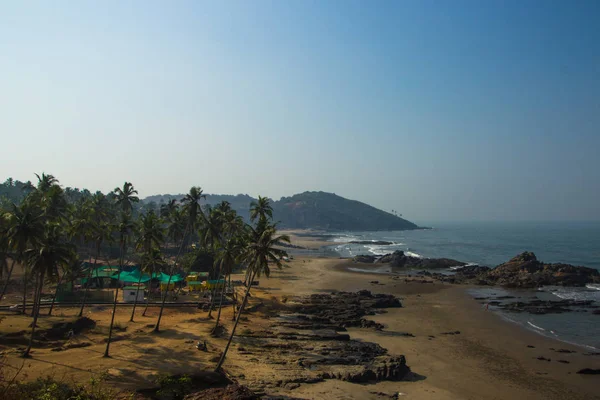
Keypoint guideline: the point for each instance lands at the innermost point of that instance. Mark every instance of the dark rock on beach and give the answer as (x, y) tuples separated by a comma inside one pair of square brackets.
[(374, 242), (305, 337), (547, 306), (525, 270), (589, 371), (398, 259)]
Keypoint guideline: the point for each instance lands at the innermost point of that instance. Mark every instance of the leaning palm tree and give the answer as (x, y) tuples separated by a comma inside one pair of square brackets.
[(126, 196), (259, 253), (44, 259)]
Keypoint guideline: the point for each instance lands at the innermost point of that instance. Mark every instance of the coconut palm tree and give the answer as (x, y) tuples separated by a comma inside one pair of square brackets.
[(261, 209), (226, 258), (100, 233), (176, 225), (70, 272), (191, 205), (44, 259), (258, 254), (25, 228), (151, 261), (126, 196), (167, 208)]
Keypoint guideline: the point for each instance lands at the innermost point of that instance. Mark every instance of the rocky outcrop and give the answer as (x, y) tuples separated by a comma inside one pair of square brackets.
[(303, 340), (364, 258), (380, 369), (398, 259), (372, 242), (526, 271)]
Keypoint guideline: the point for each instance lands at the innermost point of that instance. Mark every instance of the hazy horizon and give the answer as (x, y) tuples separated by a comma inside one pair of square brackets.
[(458, 111)]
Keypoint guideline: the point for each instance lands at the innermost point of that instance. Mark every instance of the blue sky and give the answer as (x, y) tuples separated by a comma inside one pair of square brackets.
[(443, 110)]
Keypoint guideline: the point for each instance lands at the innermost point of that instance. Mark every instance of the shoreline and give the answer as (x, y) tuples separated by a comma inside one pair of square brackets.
[(454, 347), (485, 339)]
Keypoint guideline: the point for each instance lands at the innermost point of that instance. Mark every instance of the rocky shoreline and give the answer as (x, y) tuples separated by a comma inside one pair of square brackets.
[(522, 271), (306, 340)]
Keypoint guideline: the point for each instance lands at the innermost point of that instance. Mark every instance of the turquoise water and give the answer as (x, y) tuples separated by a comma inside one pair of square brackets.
[(490, 244)]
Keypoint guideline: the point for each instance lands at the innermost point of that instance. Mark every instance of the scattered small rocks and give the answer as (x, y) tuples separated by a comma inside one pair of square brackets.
[(541, 358), (450, 333), (530, 346), (563, 361)]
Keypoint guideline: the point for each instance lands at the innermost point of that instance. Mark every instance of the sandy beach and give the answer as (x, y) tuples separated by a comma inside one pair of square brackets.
[(457, 350)]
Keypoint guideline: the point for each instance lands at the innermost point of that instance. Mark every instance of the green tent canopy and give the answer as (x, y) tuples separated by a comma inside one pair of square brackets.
[(164, 278)]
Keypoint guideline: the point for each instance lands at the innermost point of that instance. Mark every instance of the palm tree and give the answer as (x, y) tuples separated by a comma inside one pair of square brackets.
[(191, 204), (124, 227), (226, 258), (176, 225), (167, 208), (100, 232), (260, 251), (70, 272), (151, 261), (261, 210), (45, 259), (126, 196), (25, 228)]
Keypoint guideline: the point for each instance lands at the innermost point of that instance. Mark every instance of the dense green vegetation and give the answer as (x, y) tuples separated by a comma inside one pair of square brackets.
[(50, 231)]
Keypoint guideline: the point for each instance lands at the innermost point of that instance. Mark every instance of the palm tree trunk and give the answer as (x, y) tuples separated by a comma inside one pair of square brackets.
[(55, 293), (35, 314), (136, 296), (162, 306), (24, 310), (164, 299), (220, 307), (237, 320), (12, 266), (214, 292), (89, 282), (112, 319)]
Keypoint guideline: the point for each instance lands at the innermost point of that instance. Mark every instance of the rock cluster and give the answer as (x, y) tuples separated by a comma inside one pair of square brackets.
[(525, 271), (398, 259), (304, 340)]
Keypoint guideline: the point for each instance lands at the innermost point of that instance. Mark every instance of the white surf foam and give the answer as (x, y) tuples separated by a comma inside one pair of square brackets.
[(413, 254), (536, 327), (593, 286)]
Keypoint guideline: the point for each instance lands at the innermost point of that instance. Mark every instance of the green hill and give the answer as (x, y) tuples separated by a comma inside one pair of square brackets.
[(314, 210), (321, 210)]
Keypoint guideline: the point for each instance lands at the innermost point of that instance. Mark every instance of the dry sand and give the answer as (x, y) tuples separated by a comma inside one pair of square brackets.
[(489, 359)]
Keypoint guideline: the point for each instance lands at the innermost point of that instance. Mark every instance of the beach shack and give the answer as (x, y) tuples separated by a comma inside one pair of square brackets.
[(196, 286), (196, 276), (171, 281), (131, 292)]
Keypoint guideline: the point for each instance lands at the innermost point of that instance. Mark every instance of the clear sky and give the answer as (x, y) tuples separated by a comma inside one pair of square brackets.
[(442, 110)]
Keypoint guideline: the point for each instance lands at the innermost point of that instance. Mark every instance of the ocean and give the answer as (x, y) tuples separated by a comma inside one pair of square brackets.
[(493, 243)]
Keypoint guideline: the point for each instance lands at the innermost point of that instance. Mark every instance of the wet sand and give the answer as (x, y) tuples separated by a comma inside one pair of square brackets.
[(488, 359)]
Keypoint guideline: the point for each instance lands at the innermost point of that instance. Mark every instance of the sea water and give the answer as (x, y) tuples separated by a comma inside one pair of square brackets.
[(490, 244)]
